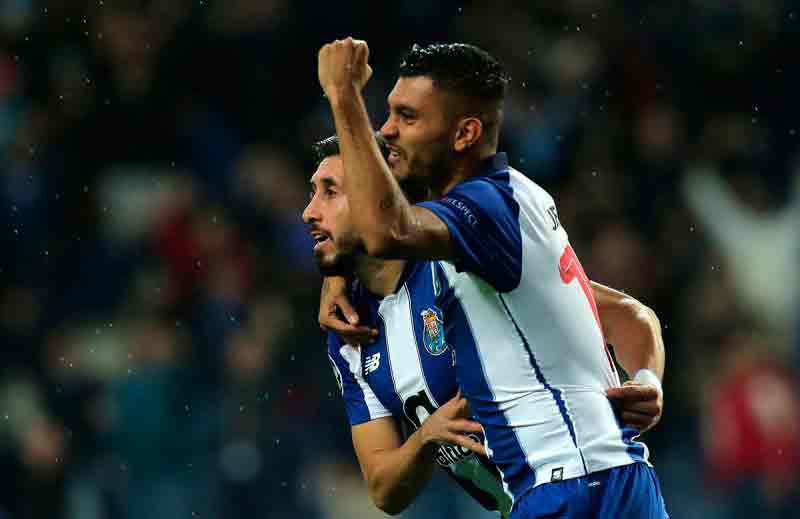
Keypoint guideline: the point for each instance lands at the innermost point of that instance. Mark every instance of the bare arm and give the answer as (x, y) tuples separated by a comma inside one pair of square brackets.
[(633, 329), (397, 471), (635, 332), (389, 224)]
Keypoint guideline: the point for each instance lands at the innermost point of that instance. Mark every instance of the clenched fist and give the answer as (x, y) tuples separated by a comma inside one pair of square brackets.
[(639, 405), (342, 66)]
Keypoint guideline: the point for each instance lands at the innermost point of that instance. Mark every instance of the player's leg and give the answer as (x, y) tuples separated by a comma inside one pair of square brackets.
[(632, 491), (563, 500)]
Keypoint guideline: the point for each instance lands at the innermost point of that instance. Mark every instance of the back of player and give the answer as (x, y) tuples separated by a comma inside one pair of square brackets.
[(531, 357)]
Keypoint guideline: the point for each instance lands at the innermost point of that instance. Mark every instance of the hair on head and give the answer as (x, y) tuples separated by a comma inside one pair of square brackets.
[(460, 68), (329, 147)]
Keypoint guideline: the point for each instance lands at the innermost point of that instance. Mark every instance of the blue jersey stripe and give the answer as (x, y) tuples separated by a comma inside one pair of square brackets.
[(355, 403), (506, 450), (432, 359), (635, 449)]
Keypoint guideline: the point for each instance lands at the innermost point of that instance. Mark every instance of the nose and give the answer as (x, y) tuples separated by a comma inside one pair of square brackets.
[(389, 129), (310, 213)]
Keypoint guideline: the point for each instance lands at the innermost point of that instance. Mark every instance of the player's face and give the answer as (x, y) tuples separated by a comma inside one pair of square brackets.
[(418, 130), (328, 217)]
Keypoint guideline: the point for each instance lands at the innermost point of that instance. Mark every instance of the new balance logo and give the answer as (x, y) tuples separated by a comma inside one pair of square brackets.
[(371, 363)]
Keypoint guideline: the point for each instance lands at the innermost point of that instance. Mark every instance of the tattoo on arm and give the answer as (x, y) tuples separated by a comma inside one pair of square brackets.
[(387, 202)]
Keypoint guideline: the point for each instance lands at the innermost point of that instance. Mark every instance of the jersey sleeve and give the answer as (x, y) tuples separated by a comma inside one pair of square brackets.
[(483, 219), (360, 401)]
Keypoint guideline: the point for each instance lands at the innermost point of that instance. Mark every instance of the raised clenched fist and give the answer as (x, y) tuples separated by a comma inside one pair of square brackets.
[(343, 65)]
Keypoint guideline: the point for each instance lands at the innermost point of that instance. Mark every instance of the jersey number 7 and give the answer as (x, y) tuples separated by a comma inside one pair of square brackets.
[(570, 268)]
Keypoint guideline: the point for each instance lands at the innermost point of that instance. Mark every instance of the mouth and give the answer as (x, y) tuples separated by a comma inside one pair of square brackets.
[(320, 238), (394, 155)]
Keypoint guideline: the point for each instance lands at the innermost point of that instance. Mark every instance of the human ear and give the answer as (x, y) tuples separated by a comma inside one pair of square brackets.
[(468, 133)]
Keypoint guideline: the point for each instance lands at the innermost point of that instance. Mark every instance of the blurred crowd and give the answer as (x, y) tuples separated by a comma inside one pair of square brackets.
[(160, 353)]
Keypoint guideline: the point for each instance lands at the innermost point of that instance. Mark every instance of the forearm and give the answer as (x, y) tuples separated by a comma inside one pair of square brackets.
[(376, 196), (398, 475), (633, 329)]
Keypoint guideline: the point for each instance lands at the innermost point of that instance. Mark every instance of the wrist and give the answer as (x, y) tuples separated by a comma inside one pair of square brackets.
[(422, 433), (340, 95), (427, 447), (648, 377)]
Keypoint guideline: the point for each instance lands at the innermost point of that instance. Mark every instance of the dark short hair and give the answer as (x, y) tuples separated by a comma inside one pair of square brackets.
[(329, 147), (459, 68)]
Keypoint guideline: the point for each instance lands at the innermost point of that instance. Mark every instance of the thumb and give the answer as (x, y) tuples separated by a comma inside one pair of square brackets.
[(347, 310)]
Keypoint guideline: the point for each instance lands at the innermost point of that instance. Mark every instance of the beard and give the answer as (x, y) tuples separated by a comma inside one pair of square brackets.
[(426, 173), (337, 264), (342, 262)]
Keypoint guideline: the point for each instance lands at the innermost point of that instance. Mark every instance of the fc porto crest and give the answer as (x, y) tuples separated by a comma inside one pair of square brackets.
[(433, 331)]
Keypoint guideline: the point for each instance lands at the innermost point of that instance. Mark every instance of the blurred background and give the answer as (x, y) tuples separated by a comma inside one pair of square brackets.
[(160, 354)]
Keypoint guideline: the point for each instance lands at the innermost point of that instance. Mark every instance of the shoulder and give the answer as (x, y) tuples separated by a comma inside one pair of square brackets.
[(478, 200), (491, 187)]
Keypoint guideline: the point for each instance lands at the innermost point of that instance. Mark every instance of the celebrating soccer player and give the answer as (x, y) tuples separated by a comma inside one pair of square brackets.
[(530, 354)]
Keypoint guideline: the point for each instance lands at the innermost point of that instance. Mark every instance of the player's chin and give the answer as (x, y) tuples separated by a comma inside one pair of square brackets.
[(398, 167), (332, 264)]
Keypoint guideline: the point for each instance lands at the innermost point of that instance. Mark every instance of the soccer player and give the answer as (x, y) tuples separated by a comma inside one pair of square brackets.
[(530, 354), (409, 371), (404, 381)]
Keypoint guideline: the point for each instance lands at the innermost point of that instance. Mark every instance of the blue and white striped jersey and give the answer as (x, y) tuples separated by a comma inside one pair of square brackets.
[(515, 314), (409, 371), (531, 356)]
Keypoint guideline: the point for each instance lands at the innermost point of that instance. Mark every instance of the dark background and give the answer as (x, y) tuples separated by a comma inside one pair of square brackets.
[(160, 352)]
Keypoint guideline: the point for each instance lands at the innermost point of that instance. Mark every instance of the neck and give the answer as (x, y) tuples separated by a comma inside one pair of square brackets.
[(379, 276), (463, 168)]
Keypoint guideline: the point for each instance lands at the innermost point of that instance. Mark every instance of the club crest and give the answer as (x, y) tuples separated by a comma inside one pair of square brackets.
[(433, 331)]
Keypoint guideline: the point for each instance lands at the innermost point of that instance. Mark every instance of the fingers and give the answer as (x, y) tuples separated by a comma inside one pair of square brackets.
[(468, 443), (331, 322), (334, 295), (640, 421), (650, 408), (638, 392), (360, 49), (462, 407), (350, 333), (343, 303), (334, 300), (360, 53), (638, 405), (465, 426), (456, 407)]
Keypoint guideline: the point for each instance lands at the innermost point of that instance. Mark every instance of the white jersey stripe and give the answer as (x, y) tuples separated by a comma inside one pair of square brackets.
[(401, 345), (353, 359)]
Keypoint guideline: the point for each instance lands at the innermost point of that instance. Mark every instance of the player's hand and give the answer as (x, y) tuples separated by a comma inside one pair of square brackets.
[(639, 405), (333, 303), (342, 65), (451, 424)]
